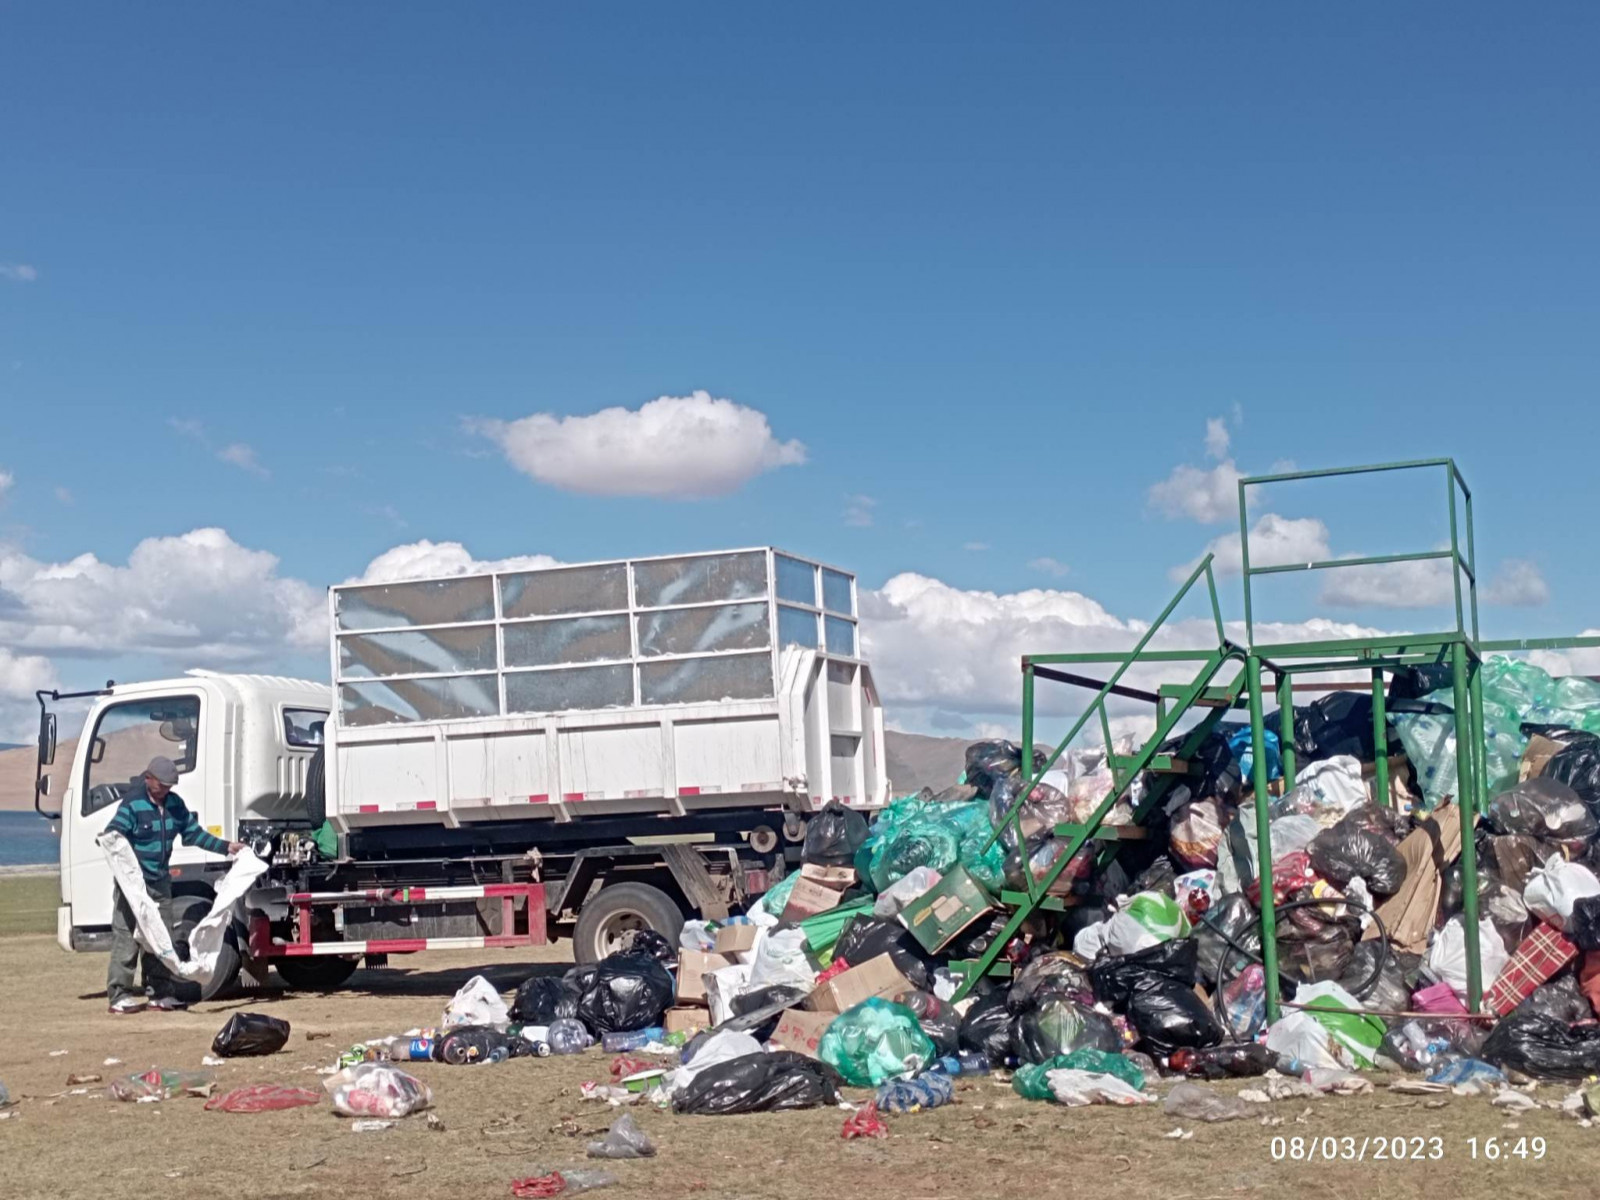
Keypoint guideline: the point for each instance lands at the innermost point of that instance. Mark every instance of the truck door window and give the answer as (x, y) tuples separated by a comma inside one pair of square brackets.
[(128, 735), (303, 726)]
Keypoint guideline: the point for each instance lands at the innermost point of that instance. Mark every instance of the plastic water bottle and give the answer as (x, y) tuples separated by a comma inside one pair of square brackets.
[(967, 1062), (933, 1089), (633, 1039), (568, 1036)]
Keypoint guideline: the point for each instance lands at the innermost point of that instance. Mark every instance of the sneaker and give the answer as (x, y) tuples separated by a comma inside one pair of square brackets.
[(126, 1005), (168, 1004)]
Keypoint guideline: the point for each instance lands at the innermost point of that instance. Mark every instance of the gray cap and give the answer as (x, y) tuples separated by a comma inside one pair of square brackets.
[(163, 770)]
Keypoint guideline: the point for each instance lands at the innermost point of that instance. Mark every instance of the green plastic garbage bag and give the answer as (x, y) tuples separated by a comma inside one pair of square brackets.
[(875, 1041), (1030, 1083), (1430, 742), (1159, 915)]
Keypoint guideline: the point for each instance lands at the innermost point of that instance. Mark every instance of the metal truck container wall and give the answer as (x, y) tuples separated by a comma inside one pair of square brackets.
[(723, 679)]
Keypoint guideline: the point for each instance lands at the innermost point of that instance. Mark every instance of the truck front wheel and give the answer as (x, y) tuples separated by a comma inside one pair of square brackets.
[(619, 909), (189, 911)]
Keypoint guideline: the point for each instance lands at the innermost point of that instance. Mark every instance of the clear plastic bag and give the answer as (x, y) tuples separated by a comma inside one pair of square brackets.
[(159, 1083), (376, 1090)]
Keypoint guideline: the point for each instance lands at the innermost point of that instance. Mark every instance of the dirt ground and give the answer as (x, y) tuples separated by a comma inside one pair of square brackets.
[(514, 1119)]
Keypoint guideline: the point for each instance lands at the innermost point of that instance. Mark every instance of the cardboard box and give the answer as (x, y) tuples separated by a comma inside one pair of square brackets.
[(736, 939), (808, 898), (838, 878), (875, 977), (944, 910), (693, 966), (1540, 751), (800, 1031), (685, 1020)]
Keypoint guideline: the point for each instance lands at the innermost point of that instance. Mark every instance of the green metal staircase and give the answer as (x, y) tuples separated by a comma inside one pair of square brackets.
[(1173, 702)]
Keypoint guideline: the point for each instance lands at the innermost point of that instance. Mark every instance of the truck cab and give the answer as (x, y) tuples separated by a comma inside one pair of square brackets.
[(242, 745)]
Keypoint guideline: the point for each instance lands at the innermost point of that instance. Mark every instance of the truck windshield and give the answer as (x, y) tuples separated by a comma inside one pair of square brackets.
[(128, 735), (303, 726)]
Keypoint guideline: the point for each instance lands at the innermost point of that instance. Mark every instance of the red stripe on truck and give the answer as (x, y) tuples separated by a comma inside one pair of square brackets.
[(427, 804), (694, 791), (369, 808), (540, 798), (571, 797)]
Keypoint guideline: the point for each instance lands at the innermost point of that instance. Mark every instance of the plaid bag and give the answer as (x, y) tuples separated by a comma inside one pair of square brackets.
[(1541, 954)]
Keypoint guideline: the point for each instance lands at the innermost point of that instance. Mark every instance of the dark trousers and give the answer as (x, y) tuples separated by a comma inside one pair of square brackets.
[(126, 953)]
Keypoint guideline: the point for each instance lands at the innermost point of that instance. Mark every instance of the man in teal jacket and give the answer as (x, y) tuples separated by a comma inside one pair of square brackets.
[(153, 818)]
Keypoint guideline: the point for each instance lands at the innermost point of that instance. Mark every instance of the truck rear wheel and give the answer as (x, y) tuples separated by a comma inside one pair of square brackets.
[(187, 912), (315, 972), (619, 909)]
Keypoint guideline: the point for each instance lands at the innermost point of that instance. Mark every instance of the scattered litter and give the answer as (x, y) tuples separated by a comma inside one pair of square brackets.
[(370, 1126), (864, 1124), (1179, 1135), (435, 1123), (59, 1053), (250, 1034), (1202, 1104), (624, 1140), (160, 1084), (1513, 1101), (75, 1078), (263, 1097), (112, 1062), (212, 1061)]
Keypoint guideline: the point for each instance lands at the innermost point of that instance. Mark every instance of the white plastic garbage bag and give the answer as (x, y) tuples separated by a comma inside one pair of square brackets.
[(1076, 1089), (722, 985), (206, 939), (1447, 956), (477, 1003), (780, 960), (373, 1089), (1324, 791), (1552, 889), (697, 935), (904, 890), (1301, 1036), (717, 1048)]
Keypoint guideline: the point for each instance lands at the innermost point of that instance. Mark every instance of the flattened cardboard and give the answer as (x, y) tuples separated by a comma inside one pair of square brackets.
[(937, 916), (736, 939), (685, 1020), (800, 1031), (808, 898)]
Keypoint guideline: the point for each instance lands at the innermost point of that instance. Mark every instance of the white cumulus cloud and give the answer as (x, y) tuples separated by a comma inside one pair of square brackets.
[(858, 511), (429, 560), (1275, 541), (677, 447), (1217, 439), (199, 598), (1207, 495), (1049, 566), (6, 480), (18, 272), (20, 676), (1516, 583)]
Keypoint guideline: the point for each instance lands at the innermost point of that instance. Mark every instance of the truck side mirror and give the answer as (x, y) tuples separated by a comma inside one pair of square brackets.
[(44, 785), (47, 738)]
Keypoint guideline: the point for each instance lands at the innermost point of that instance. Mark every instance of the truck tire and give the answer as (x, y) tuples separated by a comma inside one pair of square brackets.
[(316, 790), (187, 912), (619, 908), (316, 972)]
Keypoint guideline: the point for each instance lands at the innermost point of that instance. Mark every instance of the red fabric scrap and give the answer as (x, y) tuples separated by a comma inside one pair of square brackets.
[(263, 1097), (864, 1123), (537, 1186)]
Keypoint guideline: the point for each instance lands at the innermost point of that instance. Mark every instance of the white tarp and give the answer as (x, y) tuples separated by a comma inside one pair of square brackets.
[(205, 942)]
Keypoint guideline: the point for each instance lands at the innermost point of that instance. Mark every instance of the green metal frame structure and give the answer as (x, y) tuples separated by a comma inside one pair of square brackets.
[(1460, 648)]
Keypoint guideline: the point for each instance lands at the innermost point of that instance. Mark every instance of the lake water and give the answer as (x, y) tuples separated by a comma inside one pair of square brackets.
[(26, 838)]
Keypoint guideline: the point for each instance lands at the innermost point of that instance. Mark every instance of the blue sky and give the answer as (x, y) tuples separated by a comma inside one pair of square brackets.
[(994, 268)]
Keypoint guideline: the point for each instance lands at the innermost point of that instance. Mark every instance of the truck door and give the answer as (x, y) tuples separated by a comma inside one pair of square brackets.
[(127, 734)]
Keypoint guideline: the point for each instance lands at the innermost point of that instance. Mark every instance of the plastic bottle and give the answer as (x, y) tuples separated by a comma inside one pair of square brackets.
[(568, 1036), (1237, 1059), (634, 1039), (966, 1062)]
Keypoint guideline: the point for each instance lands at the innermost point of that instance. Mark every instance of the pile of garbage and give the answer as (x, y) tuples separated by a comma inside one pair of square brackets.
[(846, 973)]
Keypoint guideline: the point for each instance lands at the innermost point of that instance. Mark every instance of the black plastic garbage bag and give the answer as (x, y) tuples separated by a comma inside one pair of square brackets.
[(1386, 822), (1583, 927), (780, 994), (1346, 851), (774, 1082), (975, 940), (627, 992), (1375, 976), (988, 762), (1058, 1025), (1170, 1016), (1543, 808), (986, 1030), (1543, 1047), (468, 1044), (1227, 937), (649, 944), (833, 836), (1578, 766), (1050, 972), (1116, 977), (940, 1021), (544, 998), (1159, 876), (1338, 723), (863, 938), (247, 1034), (1559, 999)]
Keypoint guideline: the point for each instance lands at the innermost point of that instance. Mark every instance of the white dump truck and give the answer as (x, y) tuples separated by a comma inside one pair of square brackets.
[(502, 758)]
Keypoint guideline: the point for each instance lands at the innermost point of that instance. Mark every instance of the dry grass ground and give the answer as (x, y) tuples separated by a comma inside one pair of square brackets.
[(502, 1122)]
